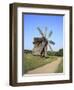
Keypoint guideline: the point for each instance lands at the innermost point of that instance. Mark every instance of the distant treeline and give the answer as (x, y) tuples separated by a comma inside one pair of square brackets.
[(54, 53), (27, 51)]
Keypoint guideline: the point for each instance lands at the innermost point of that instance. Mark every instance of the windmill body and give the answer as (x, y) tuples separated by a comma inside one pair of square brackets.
[(41, 44)]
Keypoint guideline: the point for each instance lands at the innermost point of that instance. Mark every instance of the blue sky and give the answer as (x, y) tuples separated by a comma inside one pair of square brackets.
[(52, 22)]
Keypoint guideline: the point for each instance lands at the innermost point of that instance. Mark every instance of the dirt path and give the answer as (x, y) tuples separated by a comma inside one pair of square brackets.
[(48, 68)]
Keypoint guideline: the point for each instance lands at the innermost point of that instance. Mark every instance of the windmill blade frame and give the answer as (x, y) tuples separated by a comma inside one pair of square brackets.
[(40, 31), (50, 47), (45, 33), (51, 42), (50, 34)]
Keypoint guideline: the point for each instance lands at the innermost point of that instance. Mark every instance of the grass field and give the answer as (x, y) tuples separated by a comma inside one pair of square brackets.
[(32, 62), (60, 68)]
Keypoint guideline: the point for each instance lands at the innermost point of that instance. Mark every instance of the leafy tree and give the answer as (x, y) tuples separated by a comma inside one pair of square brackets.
[(59, 53)]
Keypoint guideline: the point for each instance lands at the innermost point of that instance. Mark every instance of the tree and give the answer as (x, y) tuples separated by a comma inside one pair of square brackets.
[(59, 53)]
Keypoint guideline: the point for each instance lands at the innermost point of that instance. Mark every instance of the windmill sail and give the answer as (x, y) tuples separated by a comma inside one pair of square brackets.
[(45, 31), (51, 42), (50, 47), (50, 34), (41, 43), (40, 31)]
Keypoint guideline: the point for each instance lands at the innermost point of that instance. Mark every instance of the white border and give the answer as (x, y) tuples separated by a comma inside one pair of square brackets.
[(45, 77)]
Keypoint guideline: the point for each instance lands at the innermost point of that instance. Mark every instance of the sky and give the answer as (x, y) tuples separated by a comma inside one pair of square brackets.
[(53, 23)]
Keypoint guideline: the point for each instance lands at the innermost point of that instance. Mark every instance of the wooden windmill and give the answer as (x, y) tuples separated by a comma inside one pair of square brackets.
[(41, 43)]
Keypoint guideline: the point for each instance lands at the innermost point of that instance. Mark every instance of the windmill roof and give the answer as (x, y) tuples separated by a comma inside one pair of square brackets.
[(37, 39)]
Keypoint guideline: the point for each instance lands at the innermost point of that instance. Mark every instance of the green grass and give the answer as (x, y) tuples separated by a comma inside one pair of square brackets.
[(60, 68), (32, 62)]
